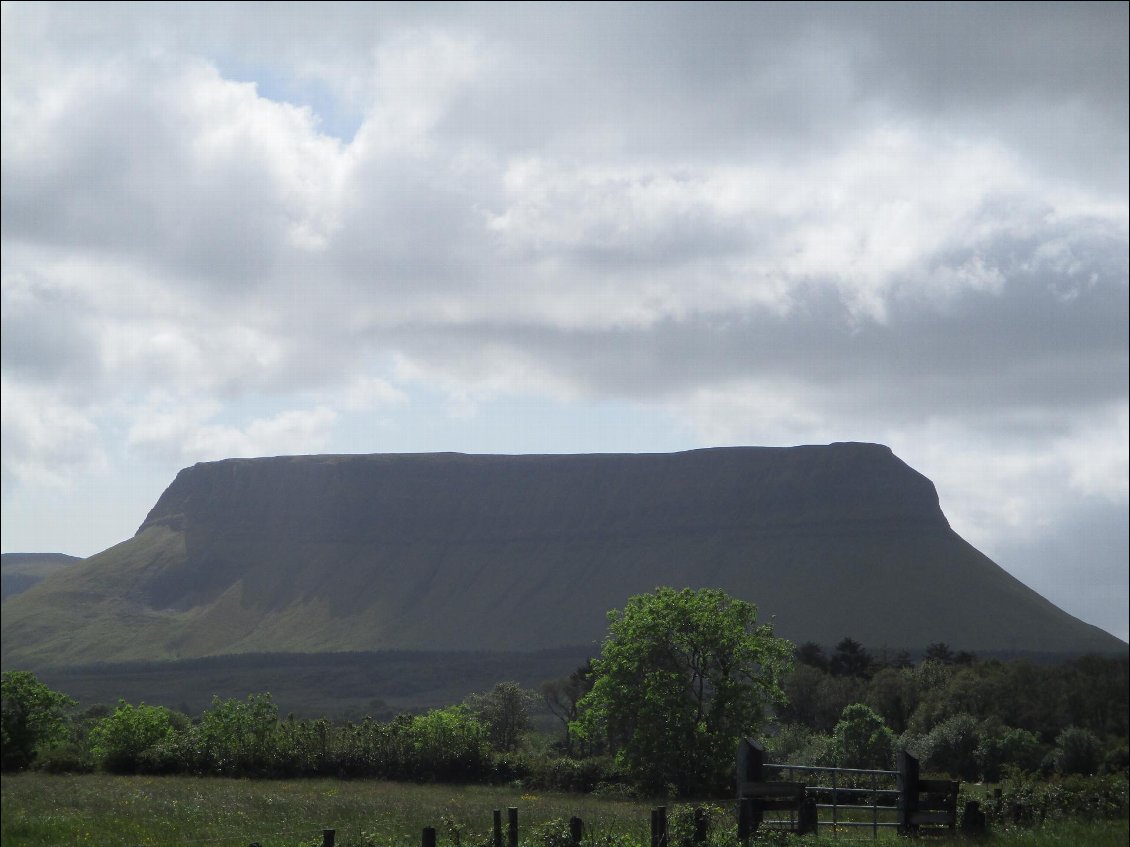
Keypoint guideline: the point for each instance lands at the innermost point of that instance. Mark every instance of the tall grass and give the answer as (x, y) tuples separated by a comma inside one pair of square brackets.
[(98, 810)]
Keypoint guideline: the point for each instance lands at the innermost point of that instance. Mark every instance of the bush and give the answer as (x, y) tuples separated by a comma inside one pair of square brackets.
[(567, 774), (64, 758), (1016, 748), (862, 740), (1027, 799), (120, 742), (1078, 750), (952, 745), (796, 744), (33, 717), (449, 745), (237, 738)]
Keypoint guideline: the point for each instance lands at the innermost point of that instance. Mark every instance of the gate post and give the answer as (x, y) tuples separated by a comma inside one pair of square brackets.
[(750, 768), (751, 762), (908, 792)]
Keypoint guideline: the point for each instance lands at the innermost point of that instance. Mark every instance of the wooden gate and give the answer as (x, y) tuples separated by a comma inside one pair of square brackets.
[(853, 798)]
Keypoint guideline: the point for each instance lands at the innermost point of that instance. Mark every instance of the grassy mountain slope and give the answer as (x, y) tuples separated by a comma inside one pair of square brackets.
[(20, 571), (455, 552)]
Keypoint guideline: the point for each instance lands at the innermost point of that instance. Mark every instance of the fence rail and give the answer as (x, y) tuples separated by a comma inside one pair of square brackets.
[(912, 812)]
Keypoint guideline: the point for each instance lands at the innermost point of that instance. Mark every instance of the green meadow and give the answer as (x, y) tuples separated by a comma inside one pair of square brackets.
[(99, 810)]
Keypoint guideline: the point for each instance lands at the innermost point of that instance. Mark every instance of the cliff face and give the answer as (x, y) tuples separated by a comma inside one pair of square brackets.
[(448, 551)]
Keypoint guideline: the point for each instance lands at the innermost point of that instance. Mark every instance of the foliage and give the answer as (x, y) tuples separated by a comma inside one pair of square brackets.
[(817, 699), (1028, 799), (796, 744), (894, 693), (851, 659), (1078, 750), (681, 676), (951, 747), (237, 737), (120, 742), (1015, 748), (449, 745), (505, 712), (1018, 709), (862, 740), (561, 697), (32, 716)]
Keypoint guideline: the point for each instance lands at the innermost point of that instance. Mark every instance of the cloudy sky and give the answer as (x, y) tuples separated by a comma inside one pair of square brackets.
[(242, 230)]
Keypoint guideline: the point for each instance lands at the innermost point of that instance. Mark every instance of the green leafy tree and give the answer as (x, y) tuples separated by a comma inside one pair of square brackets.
[(893, 693), (449, 744), (812, 654), (505, 712), (238, 737), (862, 740), (1008, 747), (681, 677), (952, 747), (562, 697), (120, 742), (851, 659), (32, 716), (1078, 750)]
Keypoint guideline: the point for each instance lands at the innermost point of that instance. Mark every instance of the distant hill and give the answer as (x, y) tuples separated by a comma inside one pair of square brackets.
[(455, 552), (20, 571)]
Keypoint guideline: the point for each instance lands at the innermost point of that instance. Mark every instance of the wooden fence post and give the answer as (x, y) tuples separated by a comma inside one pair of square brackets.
[(745, 819), (512, 826), (497, 828), (751, 763), (750, 768), (576, 829), (908, 792), (701, 824), (659, 826), (328, 836), (428, 837)]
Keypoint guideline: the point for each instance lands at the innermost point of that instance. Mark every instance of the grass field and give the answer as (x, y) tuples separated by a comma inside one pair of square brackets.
[(109, 811)]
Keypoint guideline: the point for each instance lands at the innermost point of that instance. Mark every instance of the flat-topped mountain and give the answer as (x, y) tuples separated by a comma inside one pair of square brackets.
[(457, 552)]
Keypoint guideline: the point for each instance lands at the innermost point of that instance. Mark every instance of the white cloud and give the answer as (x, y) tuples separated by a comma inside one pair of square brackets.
[(773, 225), (187, 434), (46, 440)]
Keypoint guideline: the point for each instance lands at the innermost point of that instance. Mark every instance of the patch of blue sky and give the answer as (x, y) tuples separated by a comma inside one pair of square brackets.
[(335, 116)]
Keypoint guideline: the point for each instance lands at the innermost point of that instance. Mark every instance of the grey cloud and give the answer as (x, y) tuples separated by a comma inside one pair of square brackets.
[(990, 354)]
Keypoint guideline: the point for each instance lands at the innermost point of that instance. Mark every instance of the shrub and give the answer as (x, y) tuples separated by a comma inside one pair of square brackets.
[(1016, 748), (449, 745), (33, 716), (119, 742), (1028, 799), (862, 740), (952, 745), (1078, 750)]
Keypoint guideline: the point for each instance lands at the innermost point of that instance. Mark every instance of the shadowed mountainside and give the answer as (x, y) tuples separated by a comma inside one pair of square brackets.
[(20, 571), (457, 552)]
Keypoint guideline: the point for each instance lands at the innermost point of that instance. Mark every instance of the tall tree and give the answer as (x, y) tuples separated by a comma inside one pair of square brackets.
[(32, 715), (562, 696), (851, 659), (504, 711), (681, 677)]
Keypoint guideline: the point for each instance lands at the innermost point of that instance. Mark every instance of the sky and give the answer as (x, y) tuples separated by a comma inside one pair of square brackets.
[(245, 230)]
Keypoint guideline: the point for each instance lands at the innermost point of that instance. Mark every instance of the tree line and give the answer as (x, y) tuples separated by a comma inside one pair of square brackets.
[(681, 676), (970, 718)]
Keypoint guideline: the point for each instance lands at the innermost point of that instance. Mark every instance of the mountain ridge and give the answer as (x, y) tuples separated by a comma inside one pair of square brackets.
[(443, 551)]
